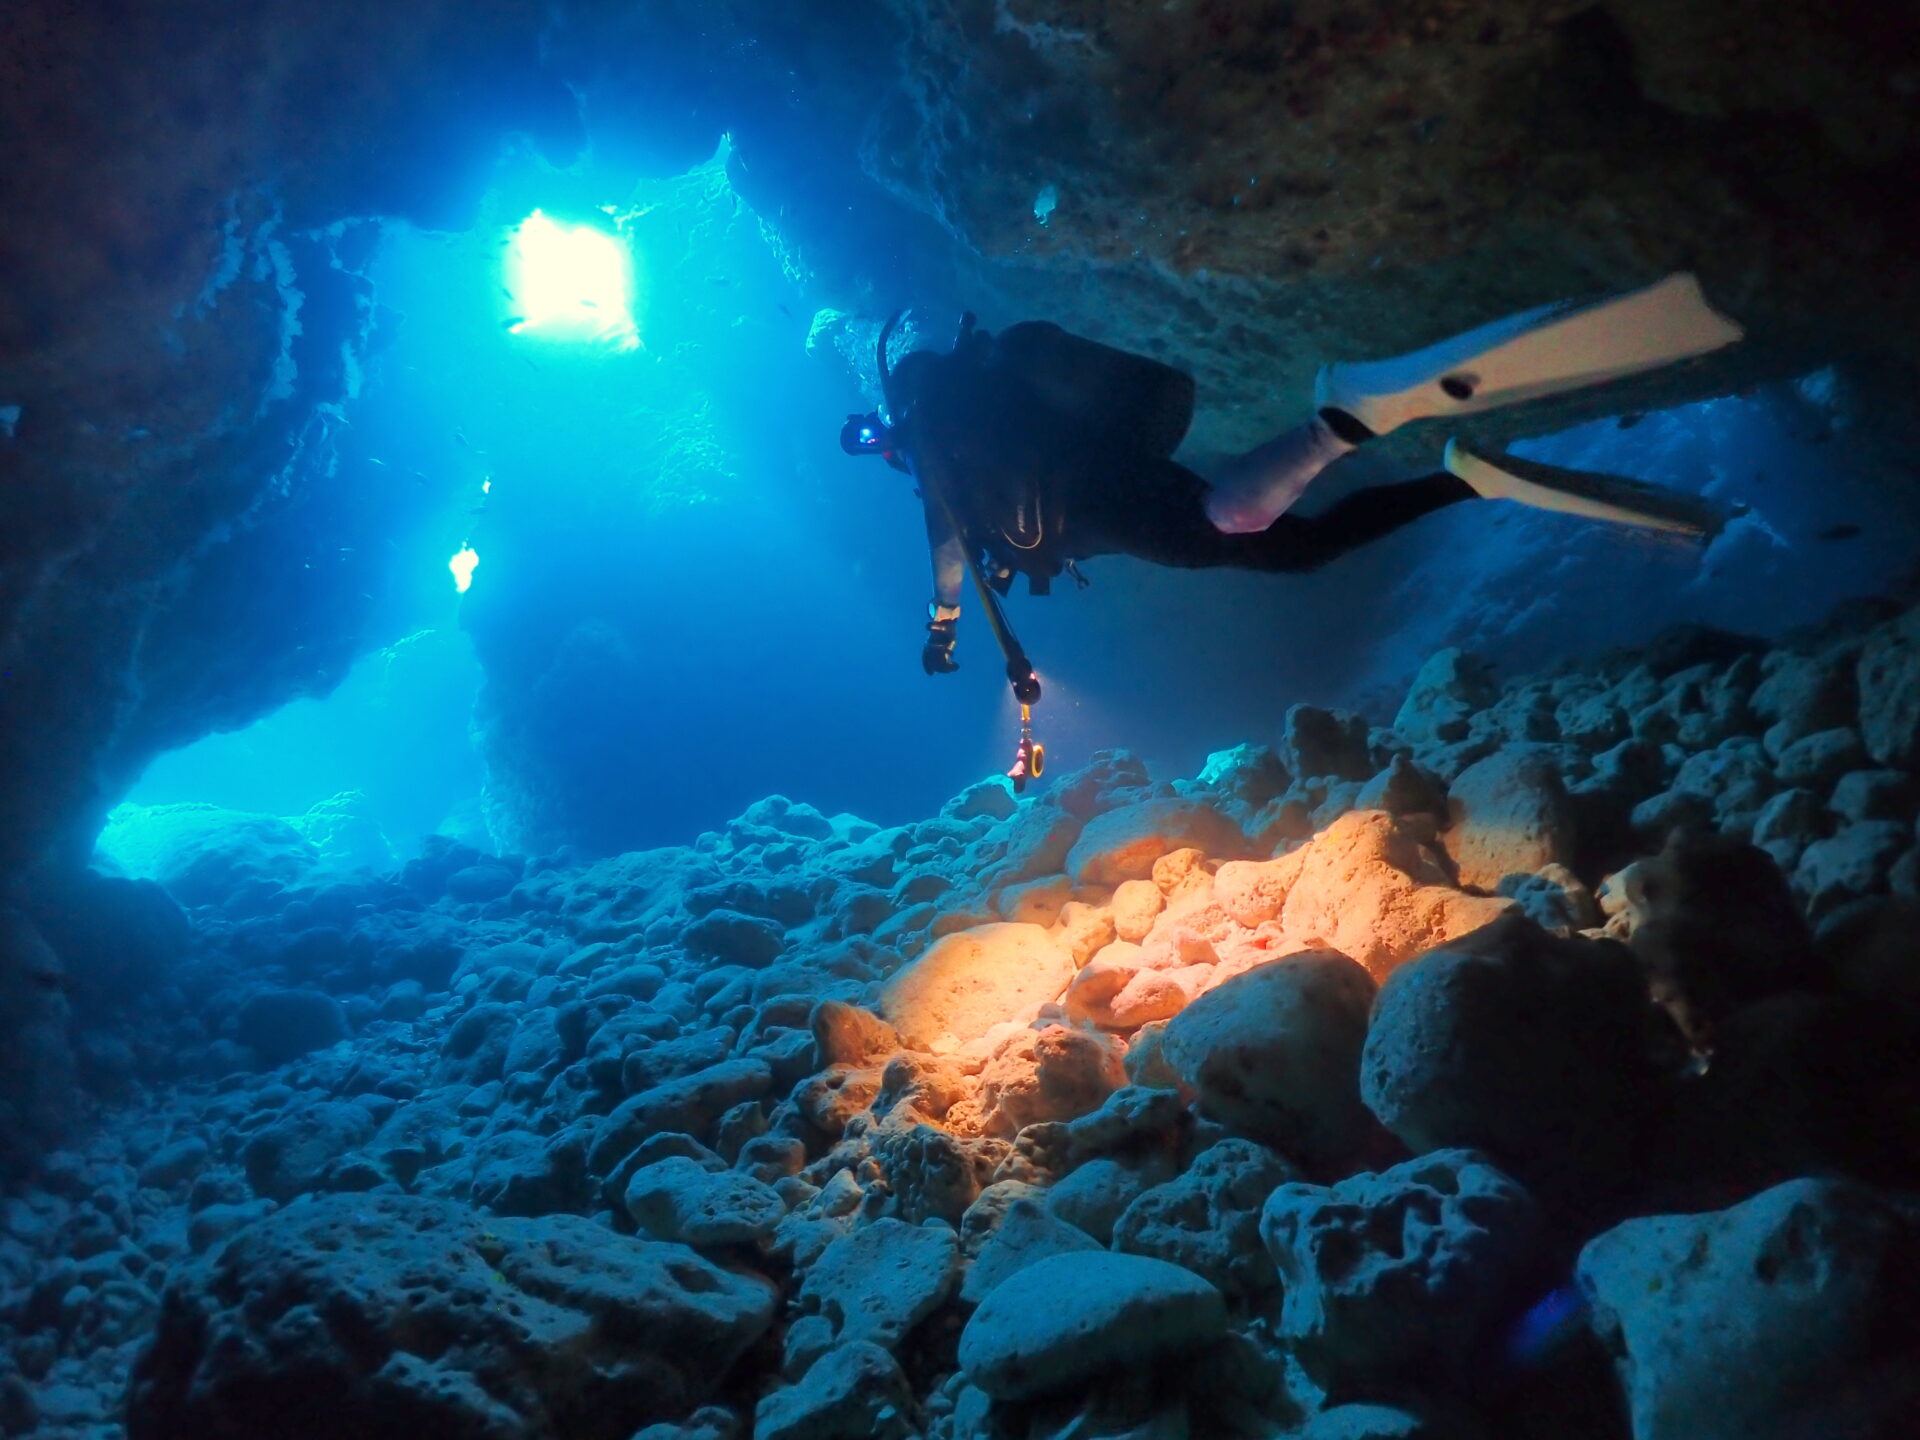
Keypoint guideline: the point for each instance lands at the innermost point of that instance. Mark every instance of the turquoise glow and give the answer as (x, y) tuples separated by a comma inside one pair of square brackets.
[(571, 282)]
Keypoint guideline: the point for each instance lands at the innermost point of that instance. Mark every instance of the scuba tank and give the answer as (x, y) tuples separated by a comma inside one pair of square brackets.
[(1124, 402)]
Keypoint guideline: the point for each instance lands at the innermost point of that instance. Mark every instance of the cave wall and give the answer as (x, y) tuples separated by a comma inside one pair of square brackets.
[(1247, 189)]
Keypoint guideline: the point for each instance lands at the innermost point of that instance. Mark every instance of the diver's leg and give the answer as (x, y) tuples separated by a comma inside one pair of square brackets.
[(1175, 530), (1248, 494), (1306, 542)]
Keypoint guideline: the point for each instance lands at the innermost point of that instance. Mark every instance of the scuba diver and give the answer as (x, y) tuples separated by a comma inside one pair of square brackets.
[(1036, 449)]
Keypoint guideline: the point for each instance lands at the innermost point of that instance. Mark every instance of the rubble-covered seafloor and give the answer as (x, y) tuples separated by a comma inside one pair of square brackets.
[(1402, 1081)]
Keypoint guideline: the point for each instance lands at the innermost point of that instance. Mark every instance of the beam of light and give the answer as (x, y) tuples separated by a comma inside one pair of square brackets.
[(571, 282), (462, 566)]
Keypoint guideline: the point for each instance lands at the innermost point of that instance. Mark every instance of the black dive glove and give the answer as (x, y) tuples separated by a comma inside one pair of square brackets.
[(936, 656)]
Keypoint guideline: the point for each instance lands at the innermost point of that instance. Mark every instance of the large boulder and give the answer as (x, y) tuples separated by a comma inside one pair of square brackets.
[(292, 1153), (1123, 844), (1207, 1220), (1450, 687), (1509, 815), (1715, 927), (392, 1317), (679, 1199), (1530, 1048), (973, 980), (880, 1281), (1366, 887), (1889, 679), (204, 855), (1035, 1076), (1398, 1276), (1072, 1318), (1790, 1316), (281, 1025), (1275, 1054)]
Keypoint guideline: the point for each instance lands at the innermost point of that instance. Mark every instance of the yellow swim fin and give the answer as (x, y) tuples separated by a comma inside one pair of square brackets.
[(1612, 498), (1541, 352)]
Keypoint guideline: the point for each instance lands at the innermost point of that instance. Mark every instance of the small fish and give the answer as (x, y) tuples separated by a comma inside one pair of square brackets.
[(376, 460), (591, 304), (785, 311), (1838, 532), (1627, 422)]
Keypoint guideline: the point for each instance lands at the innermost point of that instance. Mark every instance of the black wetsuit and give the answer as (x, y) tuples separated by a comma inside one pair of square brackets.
[(1035, 485)]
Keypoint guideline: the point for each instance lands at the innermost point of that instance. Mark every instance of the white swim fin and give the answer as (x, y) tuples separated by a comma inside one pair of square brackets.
[(1581, 492), (1523, 357)]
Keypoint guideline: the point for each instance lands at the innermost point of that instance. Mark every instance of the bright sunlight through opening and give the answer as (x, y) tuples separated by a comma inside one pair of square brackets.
[(570, 282), (462, 566)]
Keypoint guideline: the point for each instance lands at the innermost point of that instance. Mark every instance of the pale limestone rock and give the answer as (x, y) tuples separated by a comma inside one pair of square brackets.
[(971, 981)]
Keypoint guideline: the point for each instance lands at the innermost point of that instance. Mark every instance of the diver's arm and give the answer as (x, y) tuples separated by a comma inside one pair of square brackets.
[(949, 573)]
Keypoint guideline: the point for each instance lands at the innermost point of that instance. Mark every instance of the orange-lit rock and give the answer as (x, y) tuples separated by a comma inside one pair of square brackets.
[(970, 982), (1042, 1075), (848, 1035), (1179, 872), (1136, 905), (1124, 844), (1366, 888)]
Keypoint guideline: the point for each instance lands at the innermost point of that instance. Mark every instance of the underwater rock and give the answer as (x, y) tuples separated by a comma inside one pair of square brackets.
[(1789, 1315), (1026, 1234), (290, 1155), (280, 1025), (881, 1280), (1041, 1075), (1509, 815), (854, 1392), (689, 1105), (1449, 688), (1096, 1193), (1208, 1220), (1367, 888), (1555, 899), (1067, 1320), (1531, 1049), (1395, 1277), (1715, 928), (1123, 844), (1818, 760), (204, 855), (1403, 788), (1325, 743), (1889, 680), (438, 1321), (1851, 864), (1799, 1084), (680, 1200), (1274, 1053), (976, 979)]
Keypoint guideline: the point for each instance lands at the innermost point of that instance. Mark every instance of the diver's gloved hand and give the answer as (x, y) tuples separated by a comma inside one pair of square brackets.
[(936, 656)]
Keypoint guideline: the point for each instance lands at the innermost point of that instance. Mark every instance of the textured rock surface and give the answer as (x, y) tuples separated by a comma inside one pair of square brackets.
[(1275, 1054), (970, 982), (1509, 816), (1531, 1049), (1068, 1319), (454, 1326), (1400, 1273), (1791, 1314)]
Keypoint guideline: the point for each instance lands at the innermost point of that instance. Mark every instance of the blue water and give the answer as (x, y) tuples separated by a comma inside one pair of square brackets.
[(685, 597)]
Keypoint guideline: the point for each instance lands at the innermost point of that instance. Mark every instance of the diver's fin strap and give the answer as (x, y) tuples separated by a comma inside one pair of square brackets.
[(1581, 492), (1540, 352)]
